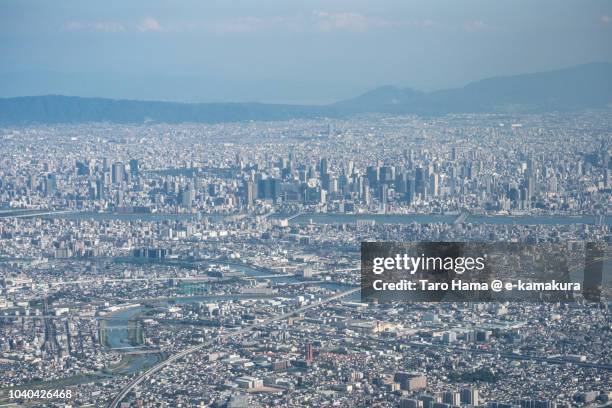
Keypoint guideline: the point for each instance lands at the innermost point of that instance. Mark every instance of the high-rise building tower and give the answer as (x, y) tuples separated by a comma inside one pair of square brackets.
[(419, 181), (434, 181), (100, 193), (469, 396), (50, 184), (372, 174), (134, 168), (117, 174), (323, 166), (249, 192), (309, 353)]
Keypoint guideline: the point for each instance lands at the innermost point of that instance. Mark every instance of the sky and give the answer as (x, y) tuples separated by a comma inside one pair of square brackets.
[(287, 51)]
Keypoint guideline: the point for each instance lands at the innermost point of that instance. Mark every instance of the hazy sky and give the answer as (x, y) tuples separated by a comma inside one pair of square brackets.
[(282, 50)]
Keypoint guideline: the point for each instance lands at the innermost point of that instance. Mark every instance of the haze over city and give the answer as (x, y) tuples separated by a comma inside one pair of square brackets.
[(390, 204), (273, 51)]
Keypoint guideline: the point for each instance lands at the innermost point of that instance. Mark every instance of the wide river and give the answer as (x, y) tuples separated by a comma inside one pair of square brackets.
[(117, 335), (320, 218), (449, 219)]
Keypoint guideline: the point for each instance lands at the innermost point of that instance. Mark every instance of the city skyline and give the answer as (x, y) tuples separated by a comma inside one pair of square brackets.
[(219, 264), (327, 203)]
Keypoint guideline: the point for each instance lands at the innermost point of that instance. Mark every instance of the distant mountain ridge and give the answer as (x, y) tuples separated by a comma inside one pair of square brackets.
[(582, 87), (72, 109)]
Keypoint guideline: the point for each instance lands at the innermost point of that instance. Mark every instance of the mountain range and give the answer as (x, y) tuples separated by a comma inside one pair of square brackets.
[(581, 87)]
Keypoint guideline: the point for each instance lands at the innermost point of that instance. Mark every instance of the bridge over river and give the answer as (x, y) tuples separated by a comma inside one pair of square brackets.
[(203, 346)]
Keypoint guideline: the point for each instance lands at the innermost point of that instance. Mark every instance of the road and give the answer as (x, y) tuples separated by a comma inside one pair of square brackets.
[(162, 364)]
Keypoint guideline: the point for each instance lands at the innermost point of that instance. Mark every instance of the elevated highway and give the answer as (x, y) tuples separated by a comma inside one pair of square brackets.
[(170, 360)]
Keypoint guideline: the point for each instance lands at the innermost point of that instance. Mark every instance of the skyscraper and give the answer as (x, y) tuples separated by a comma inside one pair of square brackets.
[(100, 193), (419, 181), (309, 353), (323, 166), (469, 396), (434, 184), (134, 168), (451, 398), (187, 195), (372, 174), (387, 174), (117, 175), (249, 192), (50, 184)]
